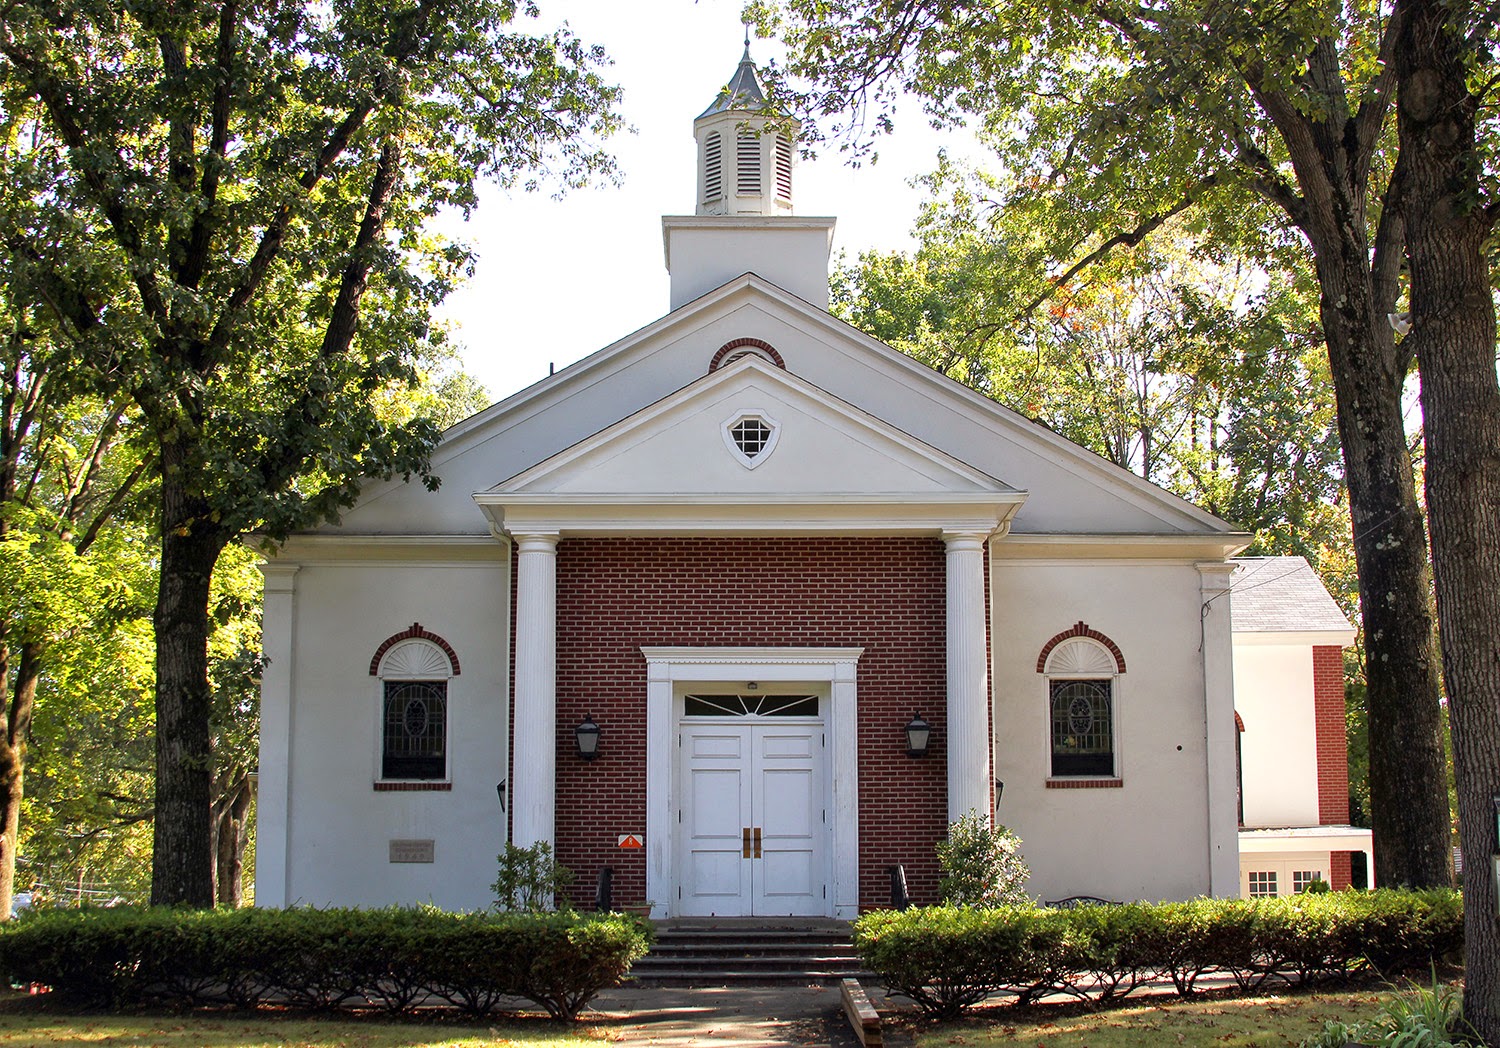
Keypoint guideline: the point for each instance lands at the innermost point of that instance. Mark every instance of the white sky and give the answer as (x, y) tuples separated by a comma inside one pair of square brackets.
[(557, 280)]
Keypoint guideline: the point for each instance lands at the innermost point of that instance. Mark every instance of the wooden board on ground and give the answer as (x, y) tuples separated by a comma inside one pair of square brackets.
[(862, 1014)]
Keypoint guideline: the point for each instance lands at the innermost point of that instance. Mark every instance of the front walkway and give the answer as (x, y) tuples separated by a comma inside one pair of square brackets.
[(724, 1017)]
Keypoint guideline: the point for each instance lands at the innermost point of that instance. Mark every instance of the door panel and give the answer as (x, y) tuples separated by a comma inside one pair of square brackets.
[(761, 780)]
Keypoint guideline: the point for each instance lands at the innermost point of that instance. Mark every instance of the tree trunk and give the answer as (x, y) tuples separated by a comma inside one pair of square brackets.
[(1408, 794), (1453, 325), (182, 843), (13, 767), (231, 828)]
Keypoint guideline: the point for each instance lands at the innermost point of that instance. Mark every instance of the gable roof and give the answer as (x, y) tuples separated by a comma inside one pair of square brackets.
[(1074, 492), (1282, 595)]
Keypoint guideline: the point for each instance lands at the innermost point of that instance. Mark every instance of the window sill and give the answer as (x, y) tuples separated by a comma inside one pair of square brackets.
[(1085, 784), (412, 786)]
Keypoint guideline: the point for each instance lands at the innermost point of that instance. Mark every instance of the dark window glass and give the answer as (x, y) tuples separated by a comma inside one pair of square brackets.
[(750, 705), (1083, 738), (415, 730), (751, 436)]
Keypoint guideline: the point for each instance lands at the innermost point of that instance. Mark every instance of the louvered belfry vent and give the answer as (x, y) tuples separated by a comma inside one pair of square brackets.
[(713, 166), (747, 162), (783, 167)]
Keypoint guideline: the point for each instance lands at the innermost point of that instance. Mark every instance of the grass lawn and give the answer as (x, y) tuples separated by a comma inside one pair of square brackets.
[(24, 1024), (1269, 1021)]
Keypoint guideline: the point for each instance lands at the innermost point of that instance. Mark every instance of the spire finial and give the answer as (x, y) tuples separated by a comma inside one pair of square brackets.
[(747, 41)]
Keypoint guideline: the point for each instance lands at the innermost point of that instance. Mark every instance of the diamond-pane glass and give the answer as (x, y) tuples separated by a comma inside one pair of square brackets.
[(1082, 728), (414, 743)]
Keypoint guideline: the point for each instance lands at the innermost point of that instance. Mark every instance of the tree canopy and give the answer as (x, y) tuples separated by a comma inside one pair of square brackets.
[(229, 227)]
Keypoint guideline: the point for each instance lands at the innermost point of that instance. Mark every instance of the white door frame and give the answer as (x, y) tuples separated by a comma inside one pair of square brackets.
[(667, 667)]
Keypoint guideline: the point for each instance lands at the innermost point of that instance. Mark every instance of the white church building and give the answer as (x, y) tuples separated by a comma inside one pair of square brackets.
[(746, 607)]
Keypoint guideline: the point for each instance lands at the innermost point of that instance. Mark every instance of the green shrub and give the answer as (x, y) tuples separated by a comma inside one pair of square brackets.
[(981, 864), (325, 959), (531, 880), (1430, 1018), (948, 958)]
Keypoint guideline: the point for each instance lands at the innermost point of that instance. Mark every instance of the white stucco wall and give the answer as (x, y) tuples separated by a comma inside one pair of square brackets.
[(339, 826), (1148, 839), (1273, 687)]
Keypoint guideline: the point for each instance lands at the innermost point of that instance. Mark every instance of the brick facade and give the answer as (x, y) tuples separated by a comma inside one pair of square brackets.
[(1333, 750), (615, 596)]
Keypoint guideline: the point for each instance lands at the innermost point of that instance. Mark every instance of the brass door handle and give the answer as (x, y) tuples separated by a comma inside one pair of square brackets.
[(745, 842), (757, 842)]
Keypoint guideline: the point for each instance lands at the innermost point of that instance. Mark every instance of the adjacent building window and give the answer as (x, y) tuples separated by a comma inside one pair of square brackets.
[(1262, 884), (1083, 734), (1302, 878), (1083, 670), (415, 668)]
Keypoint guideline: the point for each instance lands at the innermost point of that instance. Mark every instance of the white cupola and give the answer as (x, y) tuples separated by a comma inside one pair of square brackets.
[(743, 220), (744, 159)]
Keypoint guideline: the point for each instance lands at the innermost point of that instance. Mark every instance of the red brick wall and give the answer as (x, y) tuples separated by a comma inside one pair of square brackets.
[(1333, 751), (886, 595)]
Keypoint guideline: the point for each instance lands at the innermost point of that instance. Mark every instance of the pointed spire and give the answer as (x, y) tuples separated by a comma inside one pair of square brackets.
[(743, 90)]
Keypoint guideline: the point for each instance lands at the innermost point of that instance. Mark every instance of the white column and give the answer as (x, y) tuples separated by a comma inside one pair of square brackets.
[(533, 765), (968, 678), (274, 797), (1219, 729)]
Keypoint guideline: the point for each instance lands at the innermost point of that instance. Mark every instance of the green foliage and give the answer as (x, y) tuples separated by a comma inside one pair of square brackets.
[(1423, 1018), (336, 958), (948, 958), (531, 880), (981, 864)]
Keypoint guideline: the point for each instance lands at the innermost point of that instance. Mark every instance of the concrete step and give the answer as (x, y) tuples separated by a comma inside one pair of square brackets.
[(748, 952)]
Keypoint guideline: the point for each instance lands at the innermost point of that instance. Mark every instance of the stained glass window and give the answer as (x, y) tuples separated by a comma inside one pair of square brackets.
[(415, 730), (1083, 737)]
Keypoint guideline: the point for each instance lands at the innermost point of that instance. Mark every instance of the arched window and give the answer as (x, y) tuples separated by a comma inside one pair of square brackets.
[(415, 668), (713, 166), (1082, 667)]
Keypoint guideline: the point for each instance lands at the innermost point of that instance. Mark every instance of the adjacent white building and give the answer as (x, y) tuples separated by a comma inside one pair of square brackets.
[(748, 553)]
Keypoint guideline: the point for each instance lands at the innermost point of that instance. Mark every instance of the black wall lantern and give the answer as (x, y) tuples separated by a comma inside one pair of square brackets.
[(587, 734), (500, 792), (918, 732)]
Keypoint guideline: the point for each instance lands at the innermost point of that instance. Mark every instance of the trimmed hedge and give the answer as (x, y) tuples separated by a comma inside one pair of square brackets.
[(947, 959), (392, 959)]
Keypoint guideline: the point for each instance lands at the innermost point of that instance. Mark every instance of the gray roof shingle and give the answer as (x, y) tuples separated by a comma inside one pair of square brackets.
[(1281, 594)]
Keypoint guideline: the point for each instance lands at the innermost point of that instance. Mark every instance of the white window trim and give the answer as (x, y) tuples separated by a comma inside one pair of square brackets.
[(726, 430), (414, 659), (1057, 668), (669, 667)]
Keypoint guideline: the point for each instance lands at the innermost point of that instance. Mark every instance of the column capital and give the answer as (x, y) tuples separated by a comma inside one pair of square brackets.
[(536, 541), (280, 577), (964, 540)]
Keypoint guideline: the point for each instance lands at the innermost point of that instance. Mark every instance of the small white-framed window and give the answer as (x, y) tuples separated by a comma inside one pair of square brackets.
[(1302, 879), (414, 711), (1082, 676), (1262, 884), (751, 436)]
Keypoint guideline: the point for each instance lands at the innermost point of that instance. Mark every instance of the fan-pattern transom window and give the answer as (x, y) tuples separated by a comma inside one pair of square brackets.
[(415, 730), (750, 706)]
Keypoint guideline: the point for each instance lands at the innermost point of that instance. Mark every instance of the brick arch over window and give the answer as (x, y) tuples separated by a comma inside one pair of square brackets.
[(1239, 722), (1080, 629), (729, 347), (413, 632)]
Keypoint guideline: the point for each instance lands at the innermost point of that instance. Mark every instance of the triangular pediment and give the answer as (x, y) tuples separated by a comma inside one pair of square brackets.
[(751, 428)]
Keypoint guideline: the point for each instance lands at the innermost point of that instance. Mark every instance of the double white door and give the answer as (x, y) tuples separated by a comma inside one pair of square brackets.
[(752, 820)]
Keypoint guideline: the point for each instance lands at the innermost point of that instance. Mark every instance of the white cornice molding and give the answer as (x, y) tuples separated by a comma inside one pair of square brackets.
[(749, 514), (1176, 547), (1344, 638), (754, 656), (343, 548)]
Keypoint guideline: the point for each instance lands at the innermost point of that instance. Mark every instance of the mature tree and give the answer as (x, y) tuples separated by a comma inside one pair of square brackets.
[(1446, 79), (1203, 375), (66, 471), (1113, 116), (235, 237)]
